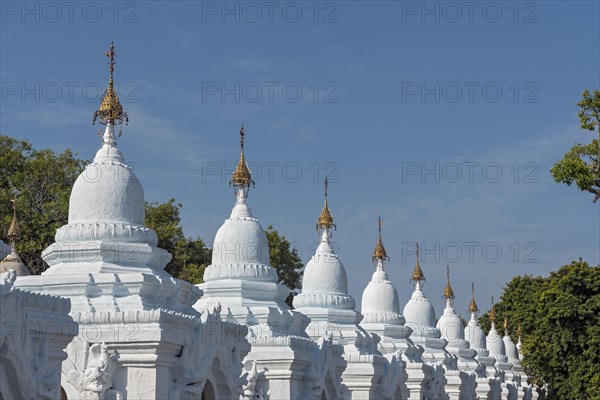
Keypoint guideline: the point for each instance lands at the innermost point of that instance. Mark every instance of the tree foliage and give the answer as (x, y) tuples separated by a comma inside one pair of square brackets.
[(580, 165), (560, 318), (190, 255), (286, 262), (41, 181)]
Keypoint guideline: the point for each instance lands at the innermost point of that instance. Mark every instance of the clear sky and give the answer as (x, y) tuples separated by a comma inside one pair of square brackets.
[(442, 117)]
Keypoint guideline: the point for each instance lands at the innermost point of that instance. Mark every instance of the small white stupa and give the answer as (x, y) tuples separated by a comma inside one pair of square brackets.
[(381, 312), (488, 385), (326, 301), (420, 317), (283, 361), (497, 349), (461, 382), (512, 352), (139, 337), (12, 259)]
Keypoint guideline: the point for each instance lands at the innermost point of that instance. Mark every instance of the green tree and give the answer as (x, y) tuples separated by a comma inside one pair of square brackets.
[(286, 262), (581, 163), (560, 318), (190, 256), (41, 180)]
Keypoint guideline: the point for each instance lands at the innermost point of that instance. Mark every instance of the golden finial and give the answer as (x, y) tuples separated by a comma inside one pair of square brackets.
[(519, 331), (506, 325), (417, 275), (110, 110), (14, 232), (325, 220), (473, 306), (380, 253), (448, 292), (493, 312), (242, 178)]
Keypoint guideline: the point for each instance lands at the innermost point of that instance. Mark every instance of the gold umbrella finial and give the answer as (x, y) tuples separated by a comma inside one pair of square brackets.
[(493, 312), (14, 231), (448, 292), (325, 220), (506, 325), (379, 253), (519, 331), (473, 306), (111, 110), (242, 177), (417, 275)]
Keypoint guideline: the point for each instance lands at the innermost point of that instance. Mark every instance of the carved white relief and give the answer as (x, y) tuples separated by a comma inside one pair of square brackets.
[(323, 369), (435, 383), (256, 387), (90, 369), (395, 376), (24, 343), (212, 339)]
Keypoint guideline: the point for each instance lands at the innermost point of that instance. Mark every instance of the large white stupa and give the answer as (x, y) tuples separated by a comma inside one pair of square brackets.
[(139, 337)]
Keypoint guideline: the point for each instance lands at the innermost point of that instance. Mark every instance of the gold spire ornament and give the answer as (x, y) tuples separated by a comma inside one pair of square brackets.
[(325, 220), (111, 111), (519, 332), (473, 306), (14, 231), (417, 275), (380, 253), (448, 292), (505, 325), (493, 312), (242, 178)]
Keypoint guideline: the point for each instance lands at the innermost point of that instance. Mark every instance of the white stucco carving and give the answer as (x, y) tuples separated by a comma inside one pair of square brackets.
[(34, 331)]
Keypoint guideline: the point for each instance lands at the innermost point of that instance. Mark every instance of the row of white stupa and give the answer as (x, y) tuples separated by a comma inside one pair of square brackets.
[(139, 333)]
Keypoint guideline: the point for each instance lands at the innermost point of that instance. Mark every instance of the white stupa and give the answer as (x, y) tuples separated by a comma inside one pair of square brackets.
[(326, 301), (519, 379), (462, 382), (139, 337), (284, 361), (381, 312), (488, 385), (497, 349), (420, 317), (12, 259)]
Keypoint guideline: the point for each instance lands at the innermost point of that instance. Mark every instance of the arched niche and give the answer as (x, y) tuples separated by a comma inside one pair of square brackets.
[(209, 391), (9, 384)]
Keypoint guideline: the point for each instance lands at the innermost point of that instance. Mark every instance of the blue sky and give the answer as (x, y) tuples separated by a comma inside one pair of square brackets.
[(442, 117)]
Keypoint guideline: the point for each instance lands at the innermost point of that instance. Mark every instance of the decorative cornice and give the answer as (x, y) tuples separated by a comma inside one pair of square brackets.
[(107, 232), (256, 272), (321, 300)]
